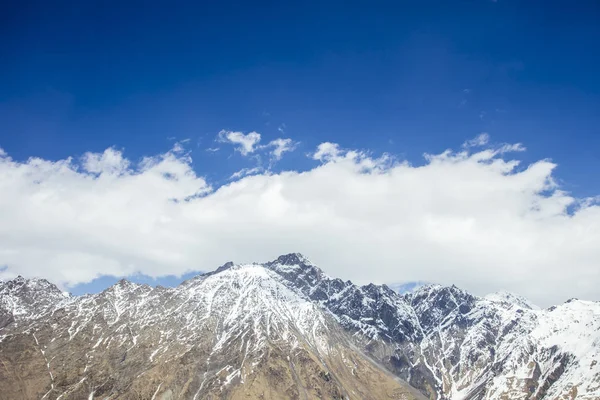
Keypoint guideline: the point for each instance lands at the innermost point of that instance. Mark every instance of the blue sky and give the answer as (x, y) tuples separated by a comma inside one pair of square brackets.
[(402, 78)]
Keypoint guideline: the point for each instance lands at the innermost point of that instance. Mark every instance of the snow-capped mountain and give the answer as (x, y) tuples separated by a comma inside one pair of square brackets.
[(489, 349), (27, 299), (284, 329)]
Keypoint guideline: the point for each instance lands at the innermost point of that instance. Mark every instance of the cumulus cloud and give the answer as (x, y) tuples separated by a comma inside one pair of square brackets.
[(109, 162), (477, 219), (244, 143), (326, 151)]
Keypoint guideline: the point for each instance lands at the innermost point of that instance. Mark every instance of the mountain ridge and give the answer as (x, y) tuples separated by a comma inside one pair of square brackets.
[(441, 341)]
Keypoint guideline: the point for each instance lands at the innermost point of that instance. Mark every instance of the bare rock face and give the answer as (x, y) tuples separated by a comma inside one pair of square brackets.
[(285, 330)]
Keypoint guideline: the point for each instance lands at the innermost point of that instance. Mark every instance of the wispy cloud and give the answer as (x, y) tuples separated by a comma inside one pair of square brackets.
[(483, 139), (480, 140), (464, 97), (281, 146), (245, 172)]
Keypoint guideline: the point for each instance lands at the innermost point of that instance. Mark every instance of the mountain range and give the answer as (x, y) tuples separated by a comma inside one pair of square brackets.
[(286, 330)]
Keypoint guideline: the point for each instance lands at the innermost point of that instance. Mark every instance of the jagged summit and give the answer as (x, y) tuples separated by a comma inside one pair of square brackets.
[(29, 288), (222, 268), (33, 283), (22, 299), (289, 260), (292, 259)]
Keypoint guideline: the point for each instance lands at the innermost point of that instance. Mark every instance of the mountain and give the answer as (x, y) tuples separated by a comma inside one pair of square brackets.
[(27, 299), (286, 330)]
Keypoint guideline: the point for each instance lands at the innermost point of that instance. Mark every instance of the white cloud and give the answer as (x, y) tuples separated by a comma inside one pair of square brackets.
[(480, 140), (179, 147), (467, 218), (281, 146), (244, 143), (483, 139), (245, 172), (327, 151), (212, 149), (249, 143), (507, 148), (110, 162)]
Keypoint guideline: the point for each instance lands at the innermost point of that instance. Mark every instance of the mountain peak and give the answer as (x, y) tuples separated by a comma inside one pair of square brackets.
[(511, 298), (124, 286), (292, 259), (226, 266), (32, 284), (23, 298)]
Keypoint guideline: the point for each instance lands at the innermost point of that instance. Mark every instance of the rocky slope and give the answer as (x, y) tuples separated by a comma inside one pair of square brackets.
[(239, 332), (284, 329), (452, 345)]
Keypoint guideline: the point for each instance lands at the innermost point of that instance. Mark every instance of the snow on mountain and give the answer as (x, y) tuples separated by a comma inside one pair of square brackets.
[(288, 328), (490, 349), (26, 299), (511, 298), (375, 311), (251, 297), (447, 342), (573, 328), (241, 331)]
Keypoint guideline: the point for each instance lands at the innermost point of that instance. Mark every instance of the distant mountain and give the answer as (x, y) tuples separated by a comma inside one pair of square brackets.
[(286, 330)]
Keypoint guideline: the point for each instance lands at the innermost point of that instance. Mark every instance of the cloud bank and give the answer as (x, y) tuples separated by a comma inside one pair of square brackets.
[(477, 219)]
